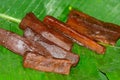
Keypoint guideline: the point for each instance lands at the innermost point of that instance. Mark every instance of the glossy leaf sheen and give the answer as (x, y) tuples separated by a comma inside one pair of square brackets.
[(91, 65)]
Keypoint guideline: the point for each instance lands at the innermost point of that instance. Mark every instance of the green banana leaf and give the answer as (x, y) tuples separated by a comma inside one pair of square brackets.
[(91, 65)]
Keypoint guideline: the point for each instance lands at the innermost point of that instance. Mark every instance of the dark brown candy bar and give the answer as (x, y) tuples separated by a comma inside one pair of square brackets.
[(19, 44), (41, 63), (53, 49), (37, 26), (93, 28), (75, 36)]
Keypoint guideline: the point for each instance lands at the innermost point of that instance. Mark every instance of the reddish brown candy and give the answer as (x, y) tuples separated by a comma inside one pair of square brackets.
[(93, 28), (41, 63)]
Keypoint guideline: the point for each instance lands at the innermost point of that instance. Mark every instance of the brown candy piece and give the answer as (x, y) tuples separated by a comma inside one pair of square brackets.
[(41, 63), (95, 29), (14, 42)]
